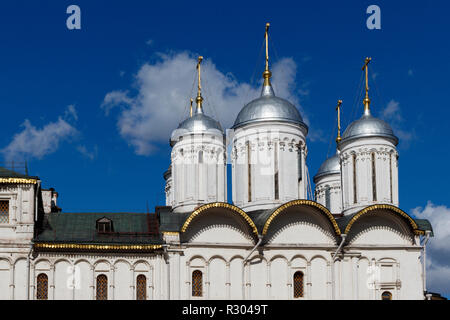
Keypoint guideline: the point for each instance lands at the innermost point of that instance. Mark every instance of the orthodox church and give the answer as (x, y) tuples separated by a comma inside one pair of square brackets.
[(276, 240)]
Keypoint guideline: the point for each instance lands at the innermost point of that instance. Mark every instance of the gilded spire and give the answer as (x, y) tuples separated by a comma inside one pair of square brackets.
[(366, 99), (267, 74), (338, 108), (190, 110), (199, 98)]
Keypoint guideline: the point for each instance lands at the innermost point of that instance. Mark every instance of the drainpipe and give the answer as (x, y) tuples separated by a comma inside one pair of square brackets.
[(333, 293), (260, 238), (424, 265), (166, 258)]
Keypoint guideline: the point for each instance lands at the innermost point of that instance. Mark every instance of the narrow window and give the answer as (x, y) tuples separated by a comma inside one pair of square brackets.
[(386, 295), (4, 211), (200, 157), (141, 287), (42, 287), (328, 197), (390, 176), (197, 279), (249, 171), (354, 180), (298, 284), (102, 287), (277, 192), (299, 164), (374, 179)]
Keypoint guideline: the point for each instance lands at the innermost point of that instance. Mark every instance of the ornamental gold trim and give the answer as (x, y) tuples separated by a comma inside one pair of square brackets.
[(170, 233), (386, 207), (109, 247), (292, 203), (220, 205), (18, 180)]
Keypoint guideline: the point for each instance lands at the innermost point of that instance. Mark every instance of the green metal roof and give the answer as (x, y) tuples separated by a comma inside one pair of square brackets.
[(169, 221), (6, 173), (424, 225), (128, 228)]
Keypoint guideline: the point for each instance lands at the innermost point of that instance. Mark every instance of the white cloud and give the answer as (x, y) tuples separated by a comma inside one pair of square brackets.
[(438, 250), (71, 112), (88, 154), (35, 142), (165, 87), (392, 114), (392, 111)]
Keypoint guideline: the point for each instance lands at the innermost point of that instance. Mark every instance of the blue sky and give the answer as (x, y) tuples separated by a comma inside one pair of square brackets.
[(103, 157)]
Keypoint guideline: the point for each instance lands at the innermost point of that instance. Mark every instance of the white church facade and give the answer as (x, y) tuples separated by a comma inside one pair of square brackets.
[(274, 241)]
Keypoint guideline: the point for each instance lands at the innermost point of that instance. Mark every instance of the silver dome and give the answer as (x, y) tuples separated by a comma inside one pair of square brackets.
[(198, 123), (268, 107), (369, 126), (329, 166)]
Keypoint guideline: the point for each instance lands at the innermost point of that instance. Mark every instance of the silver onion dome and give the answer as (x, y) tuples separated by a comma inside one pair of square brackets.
[(329, 166), (198, 123), (369, 126), (269, 107)]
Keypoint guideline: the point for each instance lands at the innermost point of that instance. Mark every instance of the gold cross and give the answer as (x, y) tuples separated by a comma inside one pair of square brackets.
[(338, 108)]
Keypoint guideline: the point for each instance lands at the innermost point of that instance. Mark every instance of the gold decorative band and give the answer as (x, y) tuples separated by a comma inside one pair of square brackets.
[(18, 180), (103, 247), (170, 233)]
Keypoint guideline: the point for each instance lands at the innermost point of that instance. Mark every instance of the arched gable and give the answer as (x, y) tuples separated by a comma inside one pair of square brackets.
[(225, 206), (387, 208), (298, 203), (381, 224), (301, 221), (219, 222)]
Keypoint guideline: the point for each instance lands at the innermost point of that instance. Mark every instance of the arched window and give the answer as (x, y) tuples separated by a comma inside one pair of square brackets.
[(197, 287), (298, 284), (386, 295), (374, 178), (141, 287), (102, 287), (200, 156), (355, 198), (42, 287)]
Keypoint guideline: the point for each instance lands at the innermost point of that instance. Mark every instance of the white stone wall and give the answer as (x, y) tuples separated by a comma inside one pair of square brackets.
[(195, 183), (21, 199), (386, 164), (73, 276), (329, 186), (274, 146), (169, 191), (217, 243)]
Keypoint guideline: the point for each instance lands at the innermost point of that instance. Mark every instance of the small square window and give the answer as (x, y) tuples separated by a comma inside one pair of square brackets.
[(104, 225), (4, 211)]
